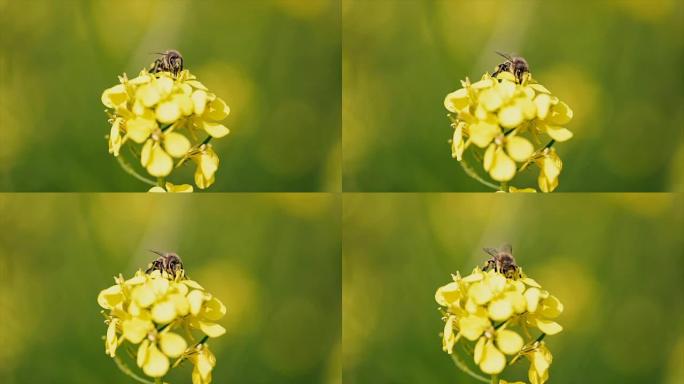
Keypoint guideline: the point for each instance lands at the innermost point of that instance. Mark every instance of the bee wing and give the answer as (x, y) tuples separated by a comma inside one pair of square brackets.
[(506, 248), (491, 251)]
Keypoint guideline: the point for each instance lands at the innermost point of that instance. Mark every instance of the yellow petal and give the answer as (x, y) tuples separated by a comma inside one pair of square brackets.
[(472, 326), (447, 294), (500, 310), (160, 163), (551, 167), (517, 300), (114, 96), (146, 153), (543, 102), (489, 157), (172, 344), (215, 129), (180, 188), (519, 148), (217, 110), (548, 326), (508, 341), (479, 350), (490, 99), (176, 144), (561, 114), (457, 145), (143, 295), (156, 189), (184, 103), (142, 353), (539, 88), (211, 329), (208, 165), (163, 312), (199, 101), (195, 298), (532, 299), (204, 366), (456, 101), (164, 85), (140, 128), (546, 185), (167, 112), (135, 329), (148, 95), (111, 342), (448, 338), (493, 361), (110, 297), (502, 167), (156, 364), (482, 133), (551, 307), (530, 282), (559, 134), (511, 116), (480, 293), (214, 309)]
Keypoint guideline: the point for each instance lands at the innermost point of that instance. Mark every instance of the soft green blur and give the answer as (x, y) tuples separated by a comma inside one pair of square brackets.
[(274, 260), (614, 261), (618, 64), (275, 62)]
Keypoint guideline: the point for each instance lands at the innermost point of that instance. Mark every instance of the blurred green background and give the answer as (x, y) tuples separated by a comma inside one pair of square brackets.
[(275, 62), (274, 260), (618, 64), (614, 261)]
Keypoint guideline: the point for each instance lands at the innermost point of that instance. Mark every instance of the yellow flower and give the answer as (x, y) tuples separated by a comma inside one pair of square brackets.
[(169, 187), (167, 116), (540, 361), (146, 310), (550, 166), (204, 362), (503, 117), (485, 307), (207, 163)]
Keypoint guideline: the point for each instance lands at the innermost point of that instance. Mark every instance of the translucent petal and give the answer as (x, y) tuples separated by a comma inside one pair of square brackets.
[(480, 293), (559, 134), (561, 114), (543, 102), (551, 307), (211, 329), (548, 326), (163, 312), (457, 100), (176, 144), (493, 361), (500, 310), (199, 101), (114, 96), (156, 364), (215, 129), (214, 309), (503, 168), (140, 128), (447, 294), (482, 133), (148, 95), (110, 297), (172, 344), (508, 341), (519, 148), (167, 112), (510, 116), (532, 299), (217, 110), (160, 164)]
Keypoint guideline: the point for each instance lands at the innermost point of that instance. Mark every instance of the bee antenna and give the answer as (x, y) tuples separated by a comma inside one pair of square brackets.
[(157, 252), (505, 56)]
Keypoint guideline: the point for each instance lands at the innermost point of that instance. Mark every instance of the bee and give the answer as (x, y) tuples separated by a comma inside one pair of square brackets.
[(167, 262), (169, 61), (502, 261), (514, 64)]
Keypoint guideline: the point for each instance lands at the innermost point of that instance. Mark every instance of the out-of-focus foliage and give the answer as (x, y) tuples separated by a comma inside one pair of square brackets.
[(617, 63), (275, 62), (614, 261), (274, 261)]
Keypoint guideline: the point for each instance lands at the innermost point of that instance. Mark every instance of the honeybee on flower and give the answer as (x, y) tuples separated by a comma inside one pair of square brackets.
[(159, 315), (166, 117), (501, 314), (508, 122)]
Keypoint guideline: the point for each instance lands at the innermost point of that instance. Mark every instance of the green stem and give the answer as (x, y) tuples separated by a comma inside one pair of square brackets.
[(127, 371), (473, 174), (464, 367), (129, 169), (495, 379)]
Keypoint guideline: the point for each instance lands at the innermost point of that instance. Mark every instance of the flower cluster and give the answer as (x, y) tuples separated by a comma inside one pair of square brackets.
[(499, 315), (503, 118), (145, 313), (167, 120)]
